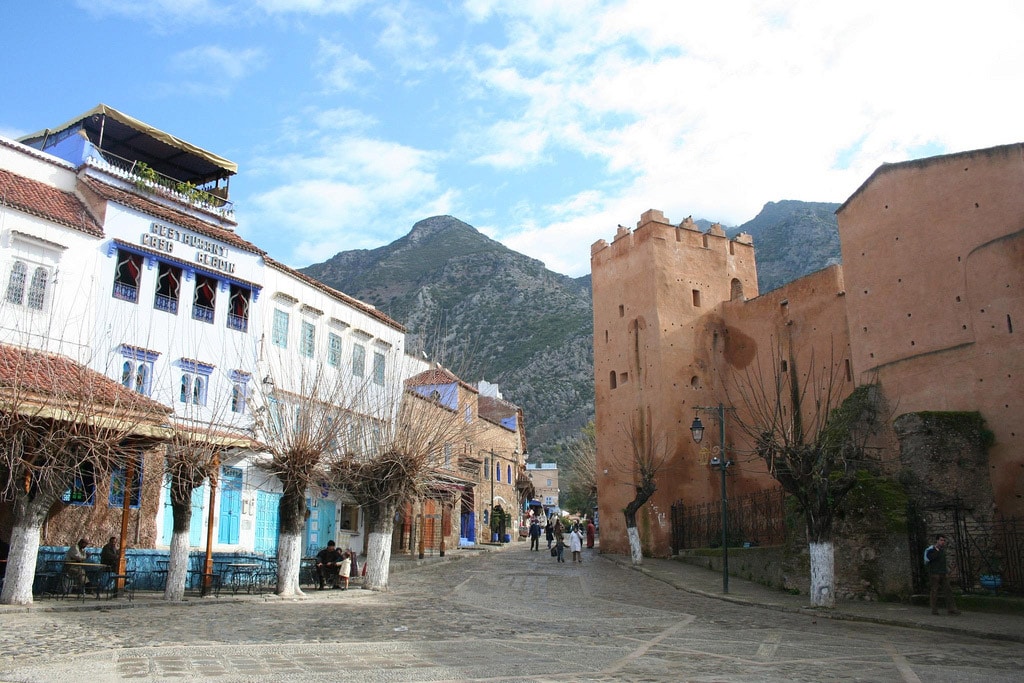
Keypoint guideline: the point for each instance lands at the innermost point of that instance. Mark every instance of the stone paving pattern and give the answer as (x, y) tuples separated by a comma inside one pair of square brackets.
[(511, 615)]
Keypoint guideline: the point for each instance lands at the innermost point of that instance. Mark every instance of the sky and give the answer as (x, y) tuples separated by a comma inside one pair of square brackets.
[(542, 123)]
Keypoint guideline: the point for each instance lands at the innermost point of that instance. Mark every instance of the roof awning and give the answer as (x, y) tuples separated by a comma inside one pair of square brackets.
[(127, 137)]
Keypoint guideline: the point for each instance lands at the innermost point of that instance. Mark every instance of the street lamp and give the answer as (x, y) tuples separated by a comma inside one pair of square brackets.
[(721, 462)]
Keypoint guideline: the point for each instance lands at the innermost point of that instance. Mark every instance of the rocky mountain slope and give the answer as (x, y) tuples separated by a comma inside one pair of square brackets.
[(492, 313)]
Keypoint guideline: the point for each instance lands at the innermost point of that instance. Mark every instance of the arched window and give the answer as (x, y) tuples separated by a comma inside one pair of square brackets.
[(16, 284), (142, 379), (37, 290), (126, 374), (508, 472), (497, 471), (186, 389)]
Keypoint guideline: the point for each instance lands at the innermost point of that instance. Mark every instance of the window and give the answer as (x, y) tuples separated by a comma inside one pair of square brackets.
[(279, 334), (137, 368), (83, 488), (308, 341), (448, 456), (127, 274), (497, 471), (358, 360), (117, 481), (349, 517), (378, 368), (36, 290), (168, 288), (239, 390), (238, 308), (195, 378), (508, 473), (204, 299), (696, 298), (333, 349)]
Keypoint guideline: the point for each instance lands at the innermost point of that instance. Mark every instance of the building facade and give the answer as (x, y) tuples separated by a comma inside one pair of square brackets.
[(924, 305)]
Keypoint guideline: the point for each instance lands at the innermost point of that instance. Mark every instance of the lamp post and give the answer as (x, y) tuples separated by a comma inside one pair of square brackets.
[(720, 462)]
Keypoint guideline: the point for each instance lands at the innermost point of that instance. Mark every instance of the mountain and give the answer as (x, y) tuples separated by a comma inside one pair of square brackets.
[(792, 239), (496, 314), (502, 316)]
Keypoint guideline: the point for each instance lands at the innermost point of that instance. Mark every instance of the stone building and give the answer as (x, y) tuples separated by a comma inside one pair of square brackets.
[(924, 304)]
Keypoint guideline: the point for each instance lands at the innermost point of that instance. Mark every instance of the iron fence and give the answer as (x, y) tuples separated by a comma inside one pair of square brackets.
[(985, 556), (754, 519)]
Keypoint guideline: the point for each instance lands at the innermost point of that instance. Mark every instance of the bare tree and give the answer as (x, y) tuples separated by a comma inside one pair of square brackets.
[(813, 435), (389, 462), (581, 462), (194, 454), (303, 427), (646, 457), (59, 420)]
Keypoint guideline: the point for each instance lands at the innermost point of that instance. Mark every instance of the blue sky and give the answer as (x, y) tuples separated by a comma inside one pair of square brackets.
[(544, 124)]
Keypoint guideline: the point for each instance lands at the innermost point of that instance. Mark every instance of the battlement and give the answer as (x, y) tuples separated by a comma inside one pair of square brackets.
[(654, 225)]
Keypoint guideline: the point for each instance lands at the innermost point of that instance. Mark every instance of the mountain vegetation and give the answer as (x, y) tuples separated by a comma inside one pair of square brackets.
[(498, 315), (503, 317)]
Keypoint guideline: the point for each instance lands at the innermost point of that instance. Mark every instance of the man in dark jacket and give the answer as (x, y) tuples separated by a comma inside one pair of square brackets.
[(938, 574), (328, 562), (534, 534)]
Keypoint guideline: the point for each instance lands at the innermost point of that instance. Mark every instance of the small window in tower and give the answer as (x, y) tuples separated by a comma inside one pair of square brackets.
[(622, 311), (623, 377), (695, 382), (704, 240), (612, 380), (849, 371), (732, 248), (785, 366), (696, 298)]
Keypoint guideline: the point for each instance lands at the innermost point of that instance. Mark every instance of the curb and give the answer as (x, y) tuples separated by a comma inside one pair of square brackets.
[(836, 614)]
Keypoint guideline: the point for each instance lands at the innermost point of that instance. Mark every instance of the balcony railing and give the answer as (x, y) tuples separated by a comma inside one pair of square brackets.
[(126, 292), (149, 180), (237, 322), (202, 313), (165, 303)]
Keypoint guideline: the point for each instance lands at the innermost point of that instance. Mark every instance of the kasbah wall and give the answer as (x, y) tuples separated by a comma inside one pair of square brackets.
[(925, 303)]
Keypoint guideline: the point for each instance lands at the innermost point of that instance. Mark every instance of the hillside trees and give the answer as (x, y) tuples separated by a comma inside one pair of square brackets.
[(581, 463)]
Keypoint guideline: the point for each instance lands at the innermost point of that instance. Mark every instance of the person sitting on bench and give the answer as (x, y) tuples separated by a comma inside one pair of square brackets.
[(328, 562)]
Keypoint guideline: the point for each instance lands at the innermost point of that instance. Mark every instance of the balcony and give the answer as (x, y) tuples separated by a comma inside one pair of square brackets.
[(210, 199)]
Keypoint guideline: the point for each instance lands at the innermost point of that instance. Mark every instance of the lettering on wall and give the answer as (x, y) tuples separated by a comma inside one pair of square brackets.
[(208, 252)]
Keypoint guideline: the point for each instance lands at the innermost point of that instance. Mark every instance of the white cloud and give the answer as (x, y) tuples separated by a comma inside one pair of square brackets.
[(714, 110), (219, 63), (314, 7), (333, 199), (338, 67)]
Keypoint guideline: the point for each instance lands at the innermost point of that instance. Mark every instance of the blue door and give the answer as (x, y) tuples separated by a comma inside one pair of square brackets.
[(267, 522), (195, 528), (320, 525), (230, 505), (195, 525)]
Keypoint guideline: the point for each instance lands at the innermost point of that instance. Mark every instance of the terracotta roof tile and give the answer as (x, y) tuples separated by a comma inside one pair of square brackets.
[(44, 201), (180, 218), (48, 375)]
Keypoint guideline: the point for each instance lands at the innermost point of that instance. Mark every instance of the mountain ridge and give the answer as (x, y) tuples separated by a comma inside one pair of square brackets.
[(504, 317)]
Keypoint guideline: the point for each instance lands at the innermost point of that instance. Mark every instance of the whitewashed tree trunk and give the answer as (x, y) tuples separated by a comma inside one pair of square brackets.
[(378, 561), (823, 575), (177, 567), (635, 551), (289, 558), (21, 565)]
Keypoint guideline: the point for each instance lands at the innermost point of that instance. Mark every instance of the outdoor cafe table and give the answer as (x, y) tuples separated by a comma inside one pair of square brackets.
[(93, 572), (242, 575)]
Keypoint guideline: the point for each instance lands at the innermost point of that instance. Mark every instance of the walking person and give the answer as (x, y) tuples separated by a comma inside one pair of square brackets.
[(534, 534), (576, 543), (938, 575), (549, 533), (559, 540), (345, 569), (591, 532)]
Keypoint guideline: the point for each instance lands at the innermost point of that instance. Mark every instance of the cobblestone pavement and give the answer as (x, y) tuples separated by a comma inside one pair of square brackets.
[(512, 615)]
